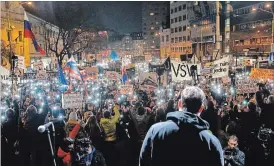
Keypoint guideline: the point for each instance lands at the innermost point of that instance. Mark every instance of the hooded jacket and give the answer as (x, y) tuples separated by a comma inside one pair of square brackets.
[(109, 125), (183, 139)]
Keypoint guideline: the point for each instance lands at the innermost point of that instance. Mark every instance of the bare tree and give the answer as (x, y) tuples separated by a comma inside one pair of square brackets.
[(68, 31)]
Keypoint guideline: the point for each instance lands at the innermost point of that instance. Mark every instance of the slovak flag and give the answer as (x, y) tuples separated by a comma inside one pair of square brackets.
[(72, 69), (29, 34)]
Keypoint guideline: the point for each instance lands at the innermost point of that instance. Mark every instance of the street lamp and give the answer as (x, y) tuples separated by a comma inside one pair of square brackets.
[(268, 6)]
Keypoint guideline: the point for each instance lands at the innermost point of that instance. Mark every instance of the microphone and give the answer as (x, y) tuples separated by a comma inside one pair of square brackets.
[(43, 128)]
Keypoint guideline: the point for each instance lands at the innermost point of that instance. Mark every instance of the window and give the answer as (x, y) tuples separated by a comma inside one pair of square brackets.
[(184, 6), (184, 17), (145, 28), (151, 14), (180, 18), (171, 21), (180, 39), (172, 40), (20, 36), (152, 33), (180, 29), (167, 38), (188, 38), (8, 33), (171, 11), (176, 39), (180, 8), (176, 29), (175, 10), (184, 38), (175, 20), (151, 28), (157, 23), (144, 33), (172, 30), (156, 14), (163, 39), (184, 28)]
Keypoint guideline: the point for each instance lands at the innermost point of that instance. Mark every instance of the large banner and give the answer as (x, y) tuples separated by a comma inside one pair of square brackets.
[(220, 68), (72, 100), (181, 71), (153, 76), (112, 75), (126, 89), (257, 73)]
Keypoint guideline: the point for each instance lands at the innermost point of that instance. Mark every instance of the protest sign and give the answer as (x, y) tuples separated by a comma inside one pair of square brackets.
[(182, 72), (126, 89), (112, 75), (220, 68), (257, 73), (41, 75), (72, 100), (4, 75), (91, 73), (247, 86), (38, 66), (21, 62)]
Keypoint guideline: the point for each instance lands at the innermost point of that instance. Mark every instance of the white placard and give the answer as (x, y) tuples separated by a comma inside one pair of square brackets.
[(41, 75), (72, 100), (38, 66), (220, 68), (21, 62), (181, 71)]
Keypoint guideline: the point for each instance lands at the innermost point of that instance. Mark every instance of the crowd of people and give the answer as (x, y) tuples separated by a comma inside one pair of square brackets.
[(193, 129)]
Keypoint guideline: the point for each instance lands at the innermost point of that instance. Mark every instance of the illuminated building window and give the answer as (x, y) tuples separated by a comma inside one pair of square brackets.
[(151, 14), (151, 28)]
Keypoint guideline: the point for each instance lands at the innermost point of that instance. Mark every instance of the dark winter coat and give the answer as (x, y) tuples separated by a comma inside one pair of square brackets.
[(211, 116), (183, 139), (267, 114), (238, 159), (141, 124)]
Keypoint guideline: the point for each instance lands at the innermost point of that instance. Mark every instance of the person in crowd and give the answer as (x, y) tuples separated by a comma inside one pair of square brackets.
[(10, 124), (186, 132), (232, 155), (34, 146), (170, 107), (94, 130), (160, 115), (108, 124), (211, 116)]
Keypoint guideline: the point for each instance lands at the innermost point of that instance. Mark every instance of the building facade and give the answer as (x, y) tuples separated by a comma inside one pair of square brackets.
[(165, 43), (251, 32), (154, 15), (12, 13), (180, 43)]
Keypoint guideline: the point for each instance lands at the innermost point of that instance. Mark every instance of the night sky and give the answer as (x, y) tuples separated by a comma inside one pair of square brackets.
[(122, 17)]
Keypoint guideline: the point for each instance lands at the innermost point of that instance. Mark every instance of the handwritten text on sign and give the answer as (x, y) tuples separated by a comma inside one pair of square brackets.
[(111, 75), (262, 74), (126, 89), (220, 68), (72, 100), (181, 71)]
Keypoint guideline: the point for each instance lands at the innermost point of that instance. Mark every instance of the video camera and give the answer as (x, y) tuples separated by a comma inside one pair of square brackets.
[(229, 153)]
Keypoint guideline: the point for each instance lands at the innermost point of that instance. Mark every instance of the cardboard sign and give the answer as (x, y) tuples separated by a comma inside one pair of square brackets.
[(19, 72), (247, 86), (221, 68), (72, 100), (38, 66), (182, 72), (265, 74), (112, 75), (126, 89), (41, 75)]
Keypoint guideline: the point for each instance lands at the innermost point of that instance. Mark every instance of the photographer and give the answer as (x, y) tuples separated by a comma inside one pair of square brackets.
[(232, 155)]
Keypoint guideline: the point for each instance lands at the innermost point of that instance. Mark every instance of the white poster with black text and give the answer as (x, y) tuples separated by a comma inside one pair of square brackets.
[(220, 68), (182, 71)]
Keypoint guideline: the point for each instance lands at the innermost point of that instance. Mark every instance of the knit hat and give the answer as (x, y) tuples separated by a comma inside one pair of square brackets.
[(73, 116)]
